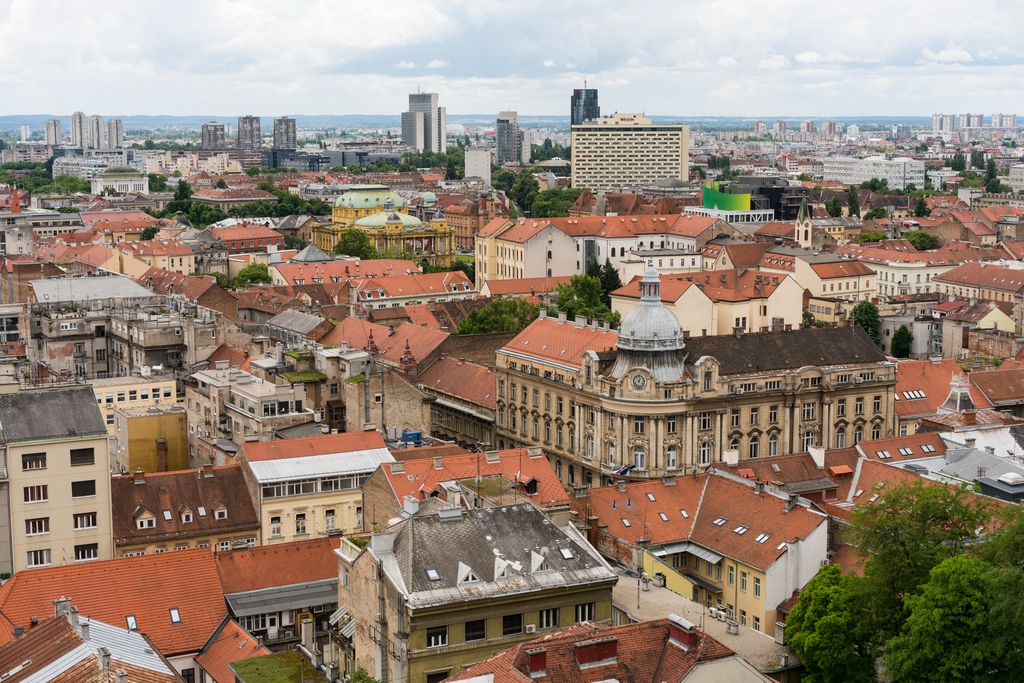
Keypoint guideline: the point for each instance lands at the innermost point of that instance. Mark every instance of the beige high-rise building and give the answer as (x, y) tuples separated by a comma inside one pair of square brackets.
[(626, 150), (96, 133), (115, 133), (54, 132), (79, 124), (54, 445)]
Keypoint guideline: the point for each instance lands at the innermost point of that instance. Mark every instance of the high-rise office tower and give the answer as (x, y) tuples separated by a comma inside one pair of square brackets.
[(115, 133), (78, 129), (96, 134), (249, 138), (509, 138), (583, 106), (54, 132), (213, 135), (433, 137), (284, 133)]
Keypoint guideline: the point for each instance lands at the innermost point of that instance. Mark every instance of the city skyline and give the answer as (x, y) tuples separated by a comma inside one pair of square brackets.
[(727, 61)]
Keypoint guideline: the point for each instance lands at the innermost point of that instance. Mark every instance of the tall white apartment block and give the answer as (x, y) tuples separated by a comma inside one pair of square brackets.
[(54, 132), (26, 131), (478, 164), (96, 133), (115, 133), (626, 150), (79, 124)]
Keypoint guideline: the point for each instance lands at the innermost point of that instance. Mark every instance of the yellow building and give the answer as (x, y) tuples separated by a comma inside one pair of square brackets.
[(130, 392), (150, 439), (308, 487), (384, 216)]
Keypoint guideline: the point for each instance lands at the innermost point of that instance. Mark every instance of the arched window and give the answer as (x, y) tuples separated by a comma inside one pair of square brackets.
[(858, 435), (808, 440), (572, 439), (512, 419), (704, 453), (876, 431), (589, 478), (549, 254), (638, 457), (536, 427), (572, 474), (671, 458), (755, 447), (611, 454), (735, 445), (773, 445), (652, 244), (805, 235), (841, 438)]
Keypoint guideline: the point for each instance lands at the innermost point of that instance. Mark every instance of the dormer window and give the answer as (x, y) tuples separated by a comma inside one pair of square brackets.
[(220, 513), (186, 517), (147, 523)]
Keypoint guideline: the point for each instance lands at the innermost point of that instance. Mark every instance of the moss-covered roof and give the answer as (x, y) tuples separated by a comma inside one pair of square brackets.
[(283, 667), (304, 376)]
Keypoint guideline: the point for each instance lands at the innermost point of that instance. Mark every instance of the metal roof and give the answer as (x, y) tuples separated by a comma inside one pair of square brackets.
[(331, 464), (278, 598), (88, 289), (688, 547), (50, 414)]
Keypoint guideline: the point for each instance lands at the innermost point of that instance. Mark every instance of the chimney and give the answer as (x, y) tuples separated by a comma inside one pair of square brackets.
[(61, 606), (306, 630), (818, 453), (622, 486), (581, 321), (85, 630), (738, 331), (970, 417), (398, 467), (410, 505), (120, 676), (19, 631), (990, 449), (597, 651), (438, 462), (970, 442), (492, 456), (104, 654), (681, 632), (537, 662), (543, 313), (791, 501), (731, 457), (207, 471), (759, 487), (561, 316), (74, 616), (704, 332), (140, 477), (161, 455)]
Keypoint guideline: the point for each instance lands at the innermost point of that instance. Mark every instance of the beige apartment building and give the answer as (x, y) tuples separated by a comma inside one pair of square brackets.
[(132, 392), (627, 150), (650, 400), (55, 450)]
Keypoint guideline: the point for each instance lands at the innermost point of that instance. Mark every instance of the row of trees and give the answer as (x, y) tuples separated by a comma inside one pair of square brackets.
[(201, 215), (941, 598), (39, 178)]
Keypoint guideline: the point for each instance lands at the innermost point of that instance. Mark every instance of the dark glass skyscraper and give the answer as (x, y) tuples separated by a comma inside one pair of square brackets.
[(584, 105)]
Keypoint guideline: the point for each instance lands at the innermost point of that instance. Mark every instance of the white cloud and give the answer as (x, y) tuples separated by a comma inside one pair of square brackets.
[(570, 65), (549, 63), (951, 53), (436, 64), (774, 62), (727, 61), (809, 58), (406, 65)]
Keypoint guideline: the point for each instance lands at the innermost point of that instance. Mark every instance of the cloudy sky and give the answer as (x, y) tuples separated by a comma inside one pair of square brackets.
[(723, 57)]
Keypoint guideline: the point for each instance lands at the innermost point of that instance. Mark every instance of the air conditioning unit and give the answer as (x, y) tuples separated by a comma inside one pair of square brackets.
[(722, 615), (858, 380), (530, 628), (739, 391), (824, 563)]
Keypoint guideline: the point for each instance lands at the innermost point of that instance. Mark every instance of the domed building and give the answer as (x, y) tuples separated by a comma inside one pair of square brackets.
[(359, 201), (120, 179), (429, 243)]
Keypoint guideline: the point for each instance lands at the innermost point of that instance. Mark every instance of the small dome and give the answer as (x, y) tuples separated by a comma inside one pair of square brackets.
[(650, 326), (381, 219), (428, 199)]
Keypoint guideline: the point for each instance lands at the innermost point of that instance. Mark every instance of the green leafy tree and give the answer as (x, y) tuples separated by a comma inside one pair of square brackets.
[(921, 208), (503, 179), (221, 185), (873, 236), (183, 191), (253, 171), (946, 637), (361, 676), (582, 296), (977, 159), (610, 281), (525, 189), (222, 279), (853, 202), (834, 207), (902, 339), (826, 633), (150, 232), (921, 240), (555, 202), (993, 186), (355, 242), (253, 273), (501, 315), (958, 162), (157, 182), (990, 169), (876, 213), (865, 314)]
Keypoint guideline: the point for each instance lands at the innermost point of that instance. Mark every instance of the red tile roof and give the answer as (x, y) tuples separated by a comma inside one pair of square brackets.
[(312, 445), (643, 514), (564, 343), (719, 285), (155, 248), (237, 193), (514, 465), (169, 282), (461, 378), (526, 285), (413, 284), (341, 271), (146, 587), (933, 380), (421, 341), (279, 564), (420, 314), (900, 448), (1000, 386), (235, 357), (840, 269), (232, 644), (984, 275), (355, 332), (244, 232)]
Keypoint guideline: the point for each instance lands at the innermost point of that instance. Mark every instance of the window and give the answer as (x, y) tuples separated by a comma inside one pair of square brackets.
[(38, 558), (732, 575), (671, 458), (536, 398), (757, 587), (638, 424), (743, 617), (33, 461), (87, 551), (670, 424), (734, 418), (130, 622), (743, 581), (81, 489), (755, 447), (476, 630), (859, 406), (774, 385), (773, 445), (841, 407), (876, 431), (808, 440), (773, 414), (82, 456), (809, 410), (85, 520), (511, 624), (757, 623), (224, 545), (841, 438), (585, 612), (704, 453), (275, 526), (704, 421), (220, 513), (329, 520), (36, 494), (35, 527), (437, 636), (707, 381), (549, 618), (876, 404), (741, 529), (559, 405), (638, 457), (146, 522), (300, 523), (755, 416), (189, 675)]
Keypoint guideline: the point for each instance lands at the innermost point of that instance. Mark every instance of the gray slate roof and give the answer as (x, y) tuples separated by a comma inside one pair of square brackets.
[(277, 598), (484, 540), (295, 321), (50, 414), (311, 254), (769, 351), (81, 289)]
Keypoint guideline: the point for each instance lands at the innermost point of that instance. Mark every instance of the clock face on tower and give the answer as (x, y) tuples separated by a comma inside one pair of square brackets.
[(639, 381)]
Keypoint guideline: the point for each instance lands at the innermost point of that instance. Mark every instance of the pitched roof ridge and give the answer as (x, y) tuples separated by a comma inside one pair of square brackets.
[(700, 504)]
